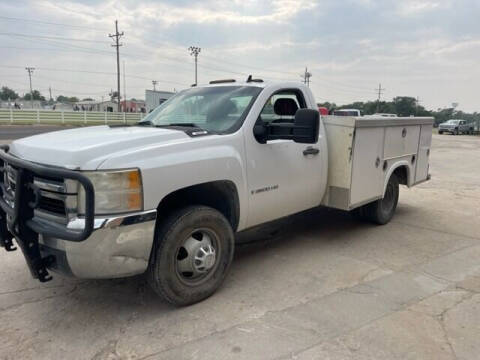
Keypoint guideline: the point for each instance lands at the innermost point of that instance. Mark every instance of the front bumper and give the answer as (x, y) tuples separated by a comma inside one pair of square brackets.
[(445, 129), (118, 246), (88, 247)]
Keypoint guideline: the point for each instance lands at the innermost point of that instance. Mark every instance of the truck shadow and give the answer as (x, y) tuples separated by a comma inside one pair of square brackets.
[(321, 225)]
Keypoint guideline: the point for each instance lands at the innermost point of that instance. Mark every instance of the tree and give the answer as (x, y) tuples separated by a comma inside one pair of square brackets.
[(8, 94), (36, 96), (113, 95), (87, 99), (405, 105), (66, 99)]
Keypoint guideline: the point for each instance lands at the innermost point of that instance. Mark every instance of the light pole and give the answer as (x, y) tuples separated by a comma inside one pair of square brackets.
[(195, 51)]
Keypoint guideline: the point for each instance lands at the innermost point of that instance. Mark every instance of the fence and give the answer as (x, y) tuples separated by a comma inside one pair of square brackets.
[(54, 117)]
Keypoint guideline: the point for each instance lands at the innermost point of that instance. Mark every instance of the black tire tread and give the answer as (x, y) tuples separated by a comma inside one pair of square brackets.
[(163, 230), (371, 212)]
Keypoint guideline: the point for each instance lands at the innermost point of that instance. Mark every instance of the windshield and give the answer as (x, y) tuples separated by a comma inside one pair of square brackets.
[(453, 122), (216, 109)]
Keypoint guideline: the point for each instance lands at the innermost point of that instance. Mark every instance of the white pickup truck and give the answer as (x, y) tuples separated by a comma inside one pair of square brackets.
[(167, 195)]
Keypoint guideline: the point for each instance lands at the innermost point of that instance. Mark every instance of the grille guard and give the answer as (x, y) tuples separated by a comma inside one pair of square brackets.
[(19, 222)]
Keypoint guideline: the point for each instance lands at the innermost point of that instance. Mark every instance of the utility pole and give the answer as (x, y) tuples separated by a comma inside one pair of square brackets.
[(306, 77), (50, 91), (116, 37), (154, 82), (30, 72), (194, 51), (124, 88), (379, 91)]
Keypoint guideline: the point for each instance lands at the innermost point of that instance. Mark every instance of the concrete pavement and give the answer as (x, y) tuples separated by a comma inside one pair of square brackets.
[(318, 285)]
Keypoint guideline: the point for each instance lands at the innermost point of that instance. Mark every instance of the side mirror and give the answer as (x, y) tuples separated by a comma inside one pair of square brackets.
[(307, 125), (304, 130)]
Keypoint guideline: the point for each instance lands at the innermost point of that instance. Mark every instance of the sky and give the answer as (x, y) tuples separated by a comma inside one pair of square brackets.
[(422, 48)]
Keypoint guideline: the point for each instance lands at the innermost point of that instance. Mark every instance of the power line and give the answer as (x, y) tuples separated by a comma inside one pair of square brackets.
[(349, 86), (215, 69), (91, 72), (49, 23), (249, 66), (49, 37), (117, 45)]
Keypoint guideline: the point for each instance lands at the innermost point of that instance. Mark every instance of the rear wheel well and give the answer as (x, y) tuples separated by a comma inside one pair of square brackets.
[(402, 174), (220, 195)]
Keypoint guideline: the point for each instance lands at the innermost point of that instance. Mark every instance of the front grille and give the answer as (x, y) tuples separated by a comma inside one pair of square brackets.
[(55, 206), (55, 201)]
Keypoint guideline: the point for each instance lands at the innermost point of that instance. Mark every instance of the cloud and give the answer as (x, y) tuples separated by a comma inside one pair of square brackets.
[(427, 48), (413, 7)]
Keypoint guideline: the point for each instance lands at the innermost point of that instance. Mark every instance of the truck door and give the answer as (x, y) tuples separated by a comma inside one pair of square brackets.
[(284, 177)]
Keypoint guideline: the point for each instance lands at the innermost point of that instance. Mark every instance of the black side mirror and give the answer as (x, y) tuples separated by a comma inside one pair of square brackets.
[(307, 125), (304, 130)]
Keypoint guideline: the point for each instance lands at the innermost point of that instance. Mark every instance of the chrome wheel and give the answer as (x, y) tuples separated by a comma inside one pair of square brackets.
[(196, 258)]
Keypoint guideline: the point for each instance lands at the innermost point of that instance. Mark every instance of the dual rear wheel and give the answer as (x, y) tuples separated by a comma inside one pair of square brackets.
[(382, 210)]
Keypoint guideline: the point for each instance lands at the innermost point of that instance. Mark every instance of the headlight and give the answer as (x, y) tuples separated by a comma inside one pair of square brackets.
[(116, 191)]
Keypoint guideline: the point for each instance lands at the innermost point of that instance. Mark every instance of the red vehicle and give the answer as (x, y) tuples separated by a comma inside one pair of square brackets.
[(323, 110)]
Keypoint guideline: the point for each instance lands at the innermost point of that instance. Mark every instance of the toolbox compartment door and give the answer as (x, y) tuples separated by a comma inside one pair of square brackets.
[(367, 173), (421, 172), (401, 141)]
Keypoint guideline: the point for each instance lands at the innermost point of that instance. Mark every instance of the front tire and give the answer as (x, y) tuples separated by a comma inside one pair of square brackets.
[(192, 253), (440, 132)]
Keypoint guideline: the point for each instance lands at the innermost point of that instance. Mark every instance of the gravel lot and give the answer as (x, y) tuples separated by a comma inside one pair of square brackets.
[(318, 285)]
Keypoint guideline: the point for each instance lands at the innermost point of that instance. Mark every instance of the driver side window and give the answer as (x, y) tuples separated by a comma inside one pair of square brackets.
[(282, 106)]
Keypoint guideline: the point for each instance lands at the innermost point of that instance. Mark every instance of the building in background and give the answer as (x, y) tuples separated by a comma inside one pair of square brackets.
[(154, 98), (93, 105), (22, 104), (133, 105)]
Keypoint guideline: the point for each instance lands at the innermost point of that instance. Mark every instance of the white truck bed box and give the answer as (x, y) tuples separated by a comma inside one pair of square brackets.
[(364, 151)]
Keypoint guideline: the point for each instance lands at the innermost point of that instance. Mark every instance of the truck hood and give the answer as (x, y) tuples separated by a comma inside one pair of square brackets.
[(86, 148)]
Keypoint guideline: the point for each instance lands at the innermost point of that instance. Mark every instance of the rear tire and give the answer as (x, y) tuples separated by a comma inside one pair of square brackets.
[(191, 256), (381, 211)]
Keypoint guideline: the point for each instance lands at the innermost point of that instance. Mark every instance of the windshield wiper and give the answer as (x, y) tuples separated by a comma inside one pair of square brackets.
[(179, 124), (144, 123)]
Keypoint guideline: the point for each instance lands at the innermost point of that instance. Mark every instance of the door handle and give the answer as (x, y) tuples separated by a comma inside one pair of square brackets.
[(310, 151)]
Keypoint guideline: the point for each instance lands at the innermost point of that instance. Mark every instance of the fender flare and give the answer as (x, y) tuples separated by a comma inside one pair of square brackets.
[(391, 170)]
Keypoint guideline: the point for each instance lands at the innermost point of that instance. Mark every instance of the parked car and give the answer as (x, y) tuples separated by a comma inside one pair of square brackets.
[(167, 195), (347, 112), (455, 127)]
